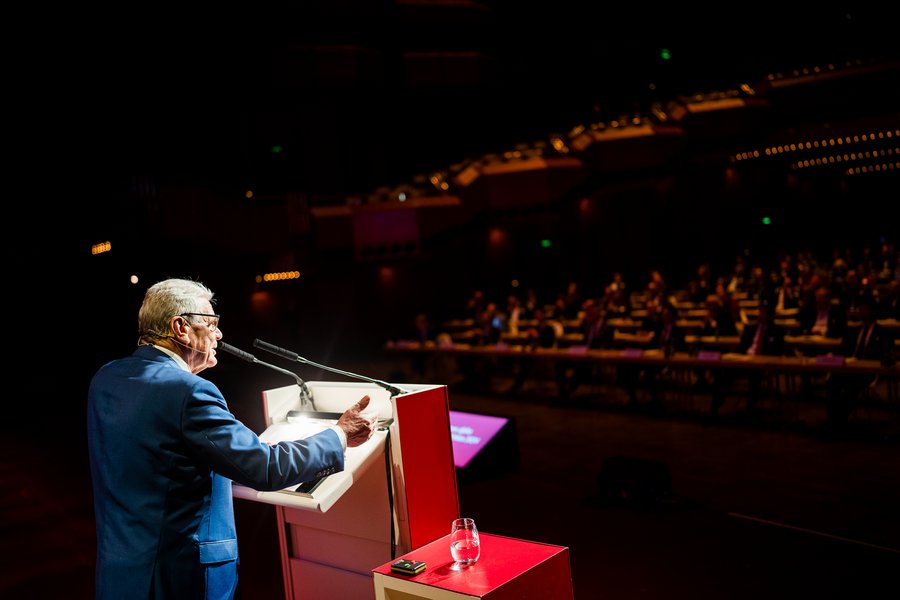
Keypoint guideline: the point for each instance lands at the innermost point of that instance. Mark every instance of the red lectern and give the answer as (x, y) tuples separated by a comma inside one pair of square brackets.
[(509, 569), (396, 492)]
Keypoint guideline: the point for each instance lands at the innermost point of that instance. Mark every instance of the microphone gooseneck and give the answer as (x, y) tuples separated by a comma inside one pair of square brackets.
[(293, 356), (305, 398)]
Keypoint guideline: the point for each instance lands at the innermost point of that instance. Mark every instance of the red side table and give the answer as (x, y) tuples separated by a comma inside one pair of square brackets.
[(508, 569)]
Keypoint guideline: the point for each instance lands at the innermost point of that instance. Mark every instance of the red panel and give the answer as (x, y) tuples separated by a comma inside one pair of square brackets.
[(423, 419)]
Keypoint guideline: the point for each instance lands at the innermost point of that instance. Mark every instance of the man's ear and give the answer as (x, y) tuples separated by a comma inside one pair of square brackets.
[(179, 326)]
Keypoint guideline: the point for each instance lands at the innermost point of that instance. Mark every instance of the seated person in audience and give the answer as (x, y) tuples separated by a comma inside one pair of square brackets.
[(568, 302), (668, 338), (544, 334), (701, 285), (423, 331), (425, 334), (868, 341), (594, 326), (659, 282), (490, 325), (617, 284), (475, 305), (596, 333), (763, 338), (488, 329), (851, 292), (889, 303), (822, 317), (614, 301), (819, 316), (839, 270), (758, 284), (728, 302), (884, 266), (717, 321), (737, 281), (655, 292), (787, 296), (530, 305), (547, 330), (513, 313)]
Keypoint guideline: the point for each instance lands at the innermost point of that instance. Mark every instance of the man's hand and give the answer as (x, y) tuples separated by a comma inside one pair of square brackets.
[(358, 427)]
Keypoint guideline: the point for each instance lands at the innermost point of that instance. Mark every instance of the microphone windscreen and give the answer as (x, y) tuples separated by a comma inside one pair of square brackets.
[(275, 350), (235, 351)]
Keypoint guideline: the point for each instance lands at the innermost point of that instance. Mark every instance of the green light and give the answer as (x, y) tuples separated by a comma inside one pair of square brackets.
[(665, 54), (276, 149), (545, 243), (766, 221)]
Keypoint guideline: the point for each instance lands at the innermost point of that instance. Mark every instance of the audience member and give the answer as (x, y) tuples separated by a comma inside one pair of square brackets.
[(568, 302), (596, 333), (763, 338), (424, 333), (701, 286), (850, 293), (530, 304), (489, 325), (787, 296), (868, 341), (475, 305), (544, 334), (514, 312), (736, 282), (889, 303), (759, 284), (886, 261), (717, 321), (668, 338), (547, 329), (820, 316)]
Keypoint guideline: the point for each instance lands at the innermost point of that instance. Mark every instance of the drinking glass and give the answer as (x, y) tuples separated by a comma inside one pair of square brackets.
[(465, 546)]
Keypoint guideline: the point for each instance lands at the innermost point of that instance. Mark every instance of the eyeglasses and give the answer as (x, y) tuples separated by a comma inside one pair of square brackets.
[(212, 323)]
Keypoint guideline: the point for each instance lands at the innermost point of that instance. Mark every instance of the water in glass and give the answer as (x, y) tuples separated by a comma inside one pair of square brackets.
[(465, 546)]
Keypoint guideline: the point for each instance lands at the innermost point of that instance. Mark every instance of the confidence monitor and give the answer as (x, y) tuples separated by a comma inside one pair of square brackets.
[(397, 491), (483, 445)]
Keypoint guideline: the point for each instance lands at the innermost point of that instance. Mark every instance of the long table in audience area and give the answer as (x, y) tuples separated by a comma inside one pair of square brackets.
[(629, 332), (707, 359)]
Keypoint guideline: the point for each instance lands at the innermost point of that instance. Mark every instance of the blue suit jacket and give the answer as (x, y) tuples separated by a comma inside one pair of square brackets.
[(164, 449)]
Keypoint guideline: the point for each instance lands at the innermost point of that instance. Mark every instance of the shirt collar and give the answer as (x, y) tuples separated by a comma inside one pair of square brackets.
[(180, 361)]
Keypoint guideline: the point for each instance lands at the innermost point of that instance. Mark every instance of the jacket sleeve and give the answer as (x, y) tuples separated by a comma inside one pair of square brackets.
[(233, 450)]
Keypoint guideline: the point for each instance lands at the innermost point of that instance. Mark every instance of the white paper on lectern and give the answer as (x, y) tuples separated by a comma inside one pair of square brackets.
[(285, 431), (339, 396)]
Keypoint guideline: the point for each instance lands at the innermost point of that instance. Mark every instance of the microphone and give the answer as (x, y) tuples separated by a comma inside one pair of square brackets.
[(237, 352), (293, 356), (305, 398)]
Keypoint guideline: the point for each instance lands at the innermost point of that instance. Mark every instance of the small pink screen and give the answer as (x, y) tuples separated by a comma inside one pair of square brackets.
[(470, 432)]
